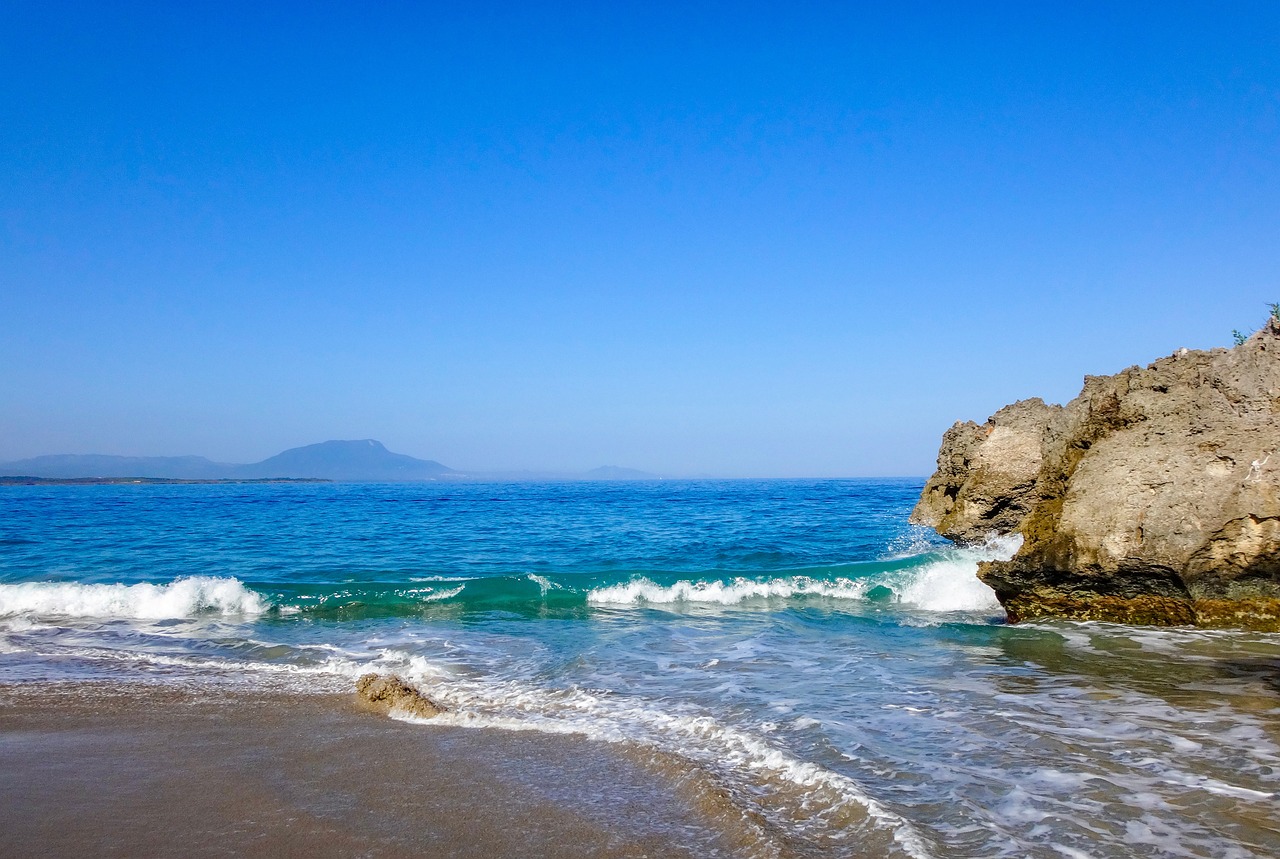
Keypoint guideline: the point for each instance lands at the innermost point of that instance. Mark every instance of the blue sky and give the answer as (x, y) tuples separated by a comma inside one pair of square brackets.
[(733, 239)]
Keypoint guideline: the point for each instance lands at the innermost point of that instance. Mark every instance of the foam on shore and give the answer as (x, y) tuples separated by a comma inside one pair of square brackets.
[(771, 779)]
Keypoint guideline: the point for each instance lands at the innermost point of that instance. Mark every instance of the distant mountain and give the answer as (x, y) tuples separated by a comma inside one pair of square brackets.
[(614, 472), (366, 460), (96, 465), (356, 461)]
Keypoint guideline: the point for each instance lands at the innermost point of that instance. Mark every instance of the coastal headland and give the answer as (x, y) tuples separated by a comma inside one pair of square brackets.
[(1152, 498)]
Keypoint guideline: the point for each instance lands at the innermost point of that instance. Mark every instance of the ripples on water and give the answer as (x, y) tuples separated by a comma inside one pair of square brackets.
[(840, 679)]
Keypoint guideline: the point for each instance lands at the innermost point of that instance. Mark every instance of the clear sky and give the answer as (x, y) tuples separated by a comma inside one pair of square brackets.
[(736, 239)]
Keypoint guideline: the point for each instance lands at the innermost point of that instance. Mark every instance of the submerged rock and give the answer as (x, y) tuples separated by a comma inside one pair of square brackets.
[(1153, 497), (391, 693)]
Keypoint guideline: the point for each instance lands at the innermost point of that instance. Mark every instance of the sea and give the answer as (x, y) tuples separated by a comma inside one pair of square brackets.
[(838, 676)]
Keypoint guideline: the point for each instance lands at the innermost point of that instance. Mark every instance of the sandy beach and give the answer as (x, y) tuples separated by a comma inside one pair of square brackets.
[(109, 770)]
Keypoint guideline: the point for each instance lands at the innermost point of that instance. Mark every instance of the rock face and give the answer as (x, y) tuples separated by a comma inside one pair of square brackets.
[(1153, 497), (391, 693), (986, 477)]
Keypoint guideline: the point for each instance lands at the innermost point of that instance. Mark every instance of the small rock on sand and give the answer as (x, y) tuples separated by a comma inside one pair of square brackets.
[(389, 692)]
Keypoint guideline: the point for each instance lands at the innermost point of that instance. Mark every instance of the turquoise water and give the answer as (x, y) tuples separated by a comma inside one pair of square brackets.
[(841, 676)]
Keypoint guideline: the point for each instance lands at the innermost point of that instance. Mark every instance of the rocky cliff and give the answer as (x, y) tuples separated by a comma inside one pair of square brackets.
[(1153, 497), (986, 478)]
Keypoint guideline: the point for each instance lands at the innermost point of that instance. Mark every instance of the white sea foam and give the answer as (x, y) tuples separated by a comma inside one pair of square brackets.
[(334, 673), (917, 540), (949, 583), (723, 748), (444, 595), (180, 598), (733, 592), (544, 584)]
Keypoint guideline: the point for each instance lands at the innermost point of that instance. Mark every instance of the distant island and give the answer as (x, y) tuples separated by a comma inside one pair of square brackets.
[(614, 472), (365, 460), (27, 480), (360, 461)]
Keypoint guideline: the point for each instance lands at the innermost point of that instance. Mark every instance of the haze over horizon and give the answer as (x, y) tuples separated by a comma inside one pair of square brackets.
[(704, 239)]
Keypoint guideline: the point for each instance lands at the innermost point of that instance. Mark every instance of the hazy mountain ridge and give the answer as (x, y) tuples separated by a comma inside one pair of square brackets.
[(71, 465), (359, 461), (617, 472), (365, 460)]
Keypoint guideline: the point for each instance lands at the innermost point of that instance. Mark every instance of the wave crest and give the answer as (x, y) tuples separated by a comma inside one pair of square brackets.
[(941, 582), (183, 597), (732, 592)]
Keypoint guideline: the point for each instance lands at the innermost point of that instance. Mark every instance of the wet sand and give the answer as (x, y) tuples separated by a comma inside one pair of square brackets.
[(94, 769)]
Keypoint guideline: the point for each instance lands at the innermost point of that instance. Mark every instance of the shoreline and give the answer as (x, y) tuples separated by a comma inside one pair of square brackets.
[(109, 769)]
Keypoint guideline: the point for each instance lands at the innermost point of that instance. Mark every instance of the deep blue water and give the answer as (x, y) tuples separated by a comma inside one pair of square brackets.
[(840, 674)]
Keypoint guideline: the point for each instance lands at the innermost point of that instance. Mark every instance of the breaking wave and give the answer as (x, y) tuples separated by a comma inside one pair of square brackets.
[(944, 581), (940, 581), (185, 597)]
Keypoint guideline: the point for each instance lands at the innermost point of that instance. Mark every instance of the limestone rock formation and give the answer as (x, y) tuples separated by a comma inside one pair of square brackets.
[(392, 694), (1155, 496), (986, 477)]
